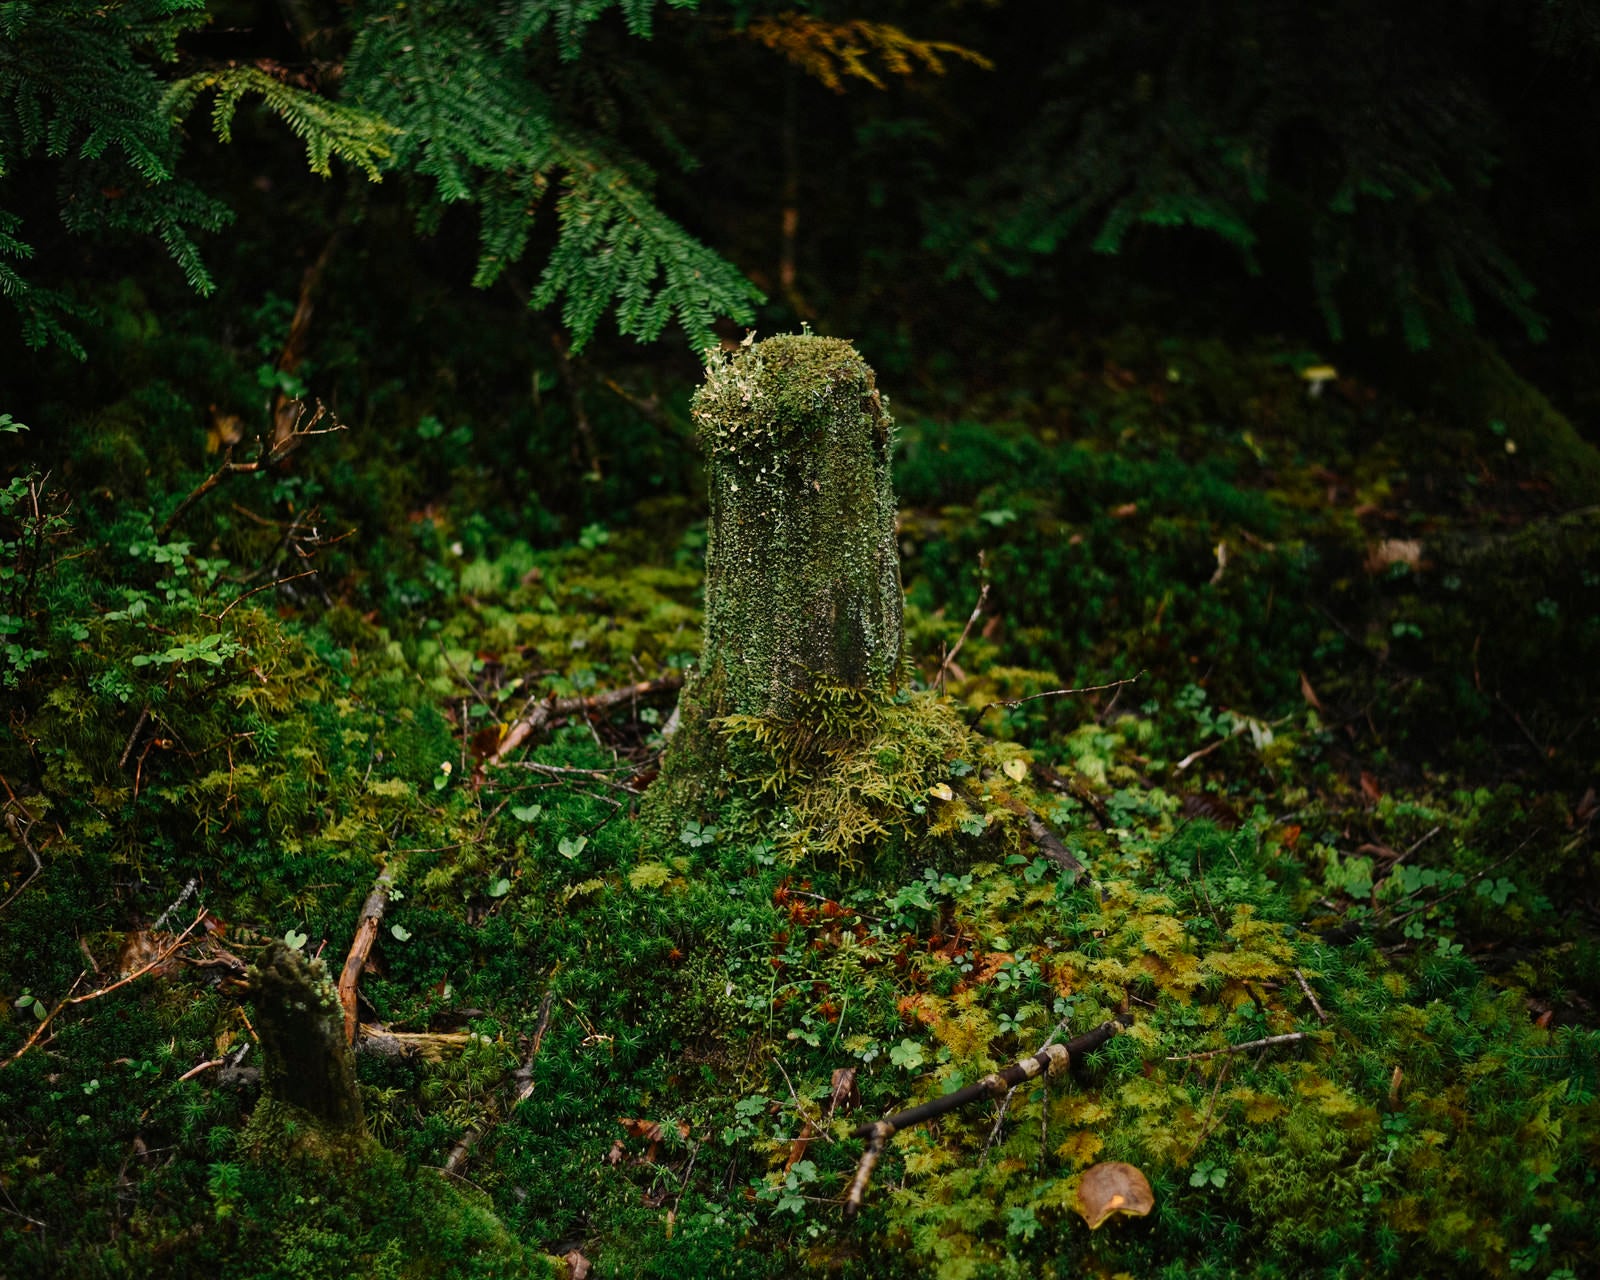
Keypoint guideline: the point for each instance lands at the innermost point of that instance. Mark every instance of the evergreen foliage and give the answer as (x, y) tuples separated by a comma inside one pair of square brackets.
[(1358, 142), (450, 92), (465, 88), (79, 87)]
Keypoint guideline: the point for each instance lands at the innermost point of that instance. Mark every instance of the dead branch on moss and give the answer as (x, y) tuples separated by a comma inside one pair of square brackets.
[(1293, 1037), (165, 954), (280, 449), (19, 832), (1051, 845), (552, 709), (977, 611), (1051, 1060), (1054, 693), (1310, 995), (523, 1074), (361, 947), (432, 1045), (1005, 1102)]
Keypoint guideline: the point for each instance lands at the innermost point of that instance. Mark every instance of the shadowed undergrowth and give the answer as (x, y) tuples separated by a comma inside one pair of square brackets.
[(1345, 802)]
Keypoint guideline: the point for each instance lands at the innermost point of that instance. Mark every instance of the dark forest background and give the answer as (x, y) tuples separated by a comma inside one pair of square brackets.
[(1241, 359)]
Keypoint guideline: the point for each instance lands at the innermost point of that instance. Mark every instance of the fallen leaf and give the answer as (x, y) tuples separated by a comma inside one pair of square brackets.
[(1371, 792), (1015, 769), (941, 791), (1390, 551), (845, 1094), (1111, 1189), (139, 948), (1309, 694), (578, 1267)]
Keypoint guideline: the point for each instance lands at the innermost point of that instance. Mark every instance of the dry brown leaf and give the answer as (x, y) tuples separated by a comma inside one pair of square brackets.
[(578, 1267), (1391, 551), (1309, 694), (845, 1094), (1113, 1189), (1588, 806), (139, 948)]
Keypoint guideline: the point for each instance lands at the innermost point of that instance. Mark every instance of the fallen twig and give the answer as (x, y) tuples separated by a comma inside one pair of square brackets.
[(265, 586), (1005, 1103), (283, 444), (1310, 995), (1203, 752), (144, 715), (1293, 1037), (19, 832), (464, 1144), (361, 947), (1052, 1060), (1052, 846), (1056, 693), (551, 709), (977, 610), (165, 954)]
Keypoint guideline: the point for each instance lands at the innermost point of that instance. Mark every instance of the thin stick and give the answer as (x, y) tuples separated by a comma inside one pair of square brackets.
[(361, 946), (1310, 995), (165, 954), (1294, 1037), (977, 610), (1426, 906), (280, 449), (1215, 746), (464, 1144), (526, 726), (265, 586), (21, 834), (1057, 693), (1005, 1102), (184, 895), (1052, 1060), (1211, 1106), (122, 760)]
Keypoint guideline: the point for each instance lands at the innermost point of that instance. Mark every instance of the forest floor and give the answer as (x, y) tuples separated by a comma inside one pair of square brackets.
[(1303, 683)]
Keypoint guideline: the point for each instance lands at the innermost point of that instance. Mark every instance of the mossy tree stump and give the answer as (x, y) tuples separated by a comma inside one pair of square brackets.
[(307, 1062), (802, 572)]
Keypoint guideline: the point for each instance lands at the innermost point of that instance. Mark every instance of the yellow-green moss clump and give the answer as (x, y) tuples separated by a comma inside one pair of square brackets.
[(802, 576)]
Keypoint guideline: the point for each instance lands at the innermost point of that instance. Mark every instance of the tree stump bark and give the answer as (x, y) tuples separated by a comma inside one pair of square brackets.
[(802, 568), (307, 1060)]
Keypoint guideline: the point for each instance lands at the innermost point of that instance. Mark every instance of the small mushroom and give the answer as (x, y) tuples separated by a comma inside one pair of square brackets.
[(1113, 1188), (1317, 377)]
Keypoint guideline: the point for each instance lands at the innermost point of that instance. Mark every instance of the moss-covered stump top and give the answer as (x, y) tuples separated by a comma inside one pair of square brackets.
[(802, 576)]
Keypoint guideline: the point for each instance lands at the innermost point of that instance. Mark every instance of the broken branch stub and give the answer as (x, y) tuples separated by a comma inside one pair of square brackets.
[(306, 1055)]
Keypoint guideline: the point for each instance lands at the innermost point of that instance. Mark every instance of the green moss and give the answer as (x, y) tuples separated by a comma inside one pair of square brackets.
[(802, 571)]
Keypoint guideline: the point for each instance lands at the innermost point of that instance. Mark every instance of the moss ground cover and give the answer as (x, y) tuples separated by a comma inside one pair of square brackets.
[(1348, 801)]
